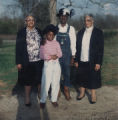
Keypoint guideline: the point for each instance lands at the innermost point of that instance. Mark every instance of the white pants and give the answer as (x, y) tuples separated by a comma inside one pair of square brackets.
[(51, 77)]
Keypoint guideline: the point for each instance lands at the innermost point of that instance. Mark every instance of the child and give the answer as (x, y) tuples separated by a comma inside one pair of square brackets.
[(50, 51)]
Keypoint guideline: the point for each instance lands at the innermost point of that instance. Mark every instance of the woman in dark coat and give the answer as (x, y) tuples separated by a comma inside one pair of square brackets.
[(88, 59), (28, 60)]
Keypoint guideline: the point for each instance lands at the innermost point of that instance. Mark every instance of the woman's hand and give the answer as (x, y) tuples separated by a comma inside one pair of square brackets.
[(97, 67), (72, 61), (19, 67), (54, 57), (76, 64)]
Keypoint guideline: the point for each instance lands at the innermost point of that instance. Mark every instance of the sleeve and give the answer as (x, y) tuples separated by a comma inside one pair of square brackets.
[(41, 52), (59, 52), (44, 53), (39, 32), (72, 35), (77, 49), (19, 49), (100, 48)]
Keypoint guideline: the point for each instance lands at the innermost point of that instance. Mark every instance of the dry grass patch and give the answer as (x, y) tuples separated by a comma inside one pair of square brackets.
[(2, 84)]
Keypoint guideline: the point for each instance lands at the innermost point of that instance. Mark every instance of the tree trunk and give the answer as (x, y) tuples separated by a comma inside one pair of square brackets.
[(52, 9)]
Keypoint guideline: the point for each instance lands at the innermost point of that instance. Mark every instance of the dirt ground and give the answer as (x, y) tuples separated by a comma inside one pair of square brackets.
[(12, 107)]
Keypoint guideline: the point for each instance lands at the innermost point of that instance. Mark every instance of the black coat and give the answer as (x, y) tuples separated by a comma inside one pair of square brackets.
[(96, 49), (21, 47)]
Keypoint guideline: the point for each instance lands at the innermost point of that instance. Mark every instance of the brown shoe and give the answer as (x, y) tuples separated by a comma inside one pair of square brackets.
[(42, 105), (67, 93), (55, 104)]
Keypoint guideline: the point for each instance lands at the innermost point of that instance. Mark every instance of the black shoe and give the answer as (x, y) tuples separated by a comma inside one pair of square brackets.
[(28, 104), (42, 105), (93, 102), (80, 98)]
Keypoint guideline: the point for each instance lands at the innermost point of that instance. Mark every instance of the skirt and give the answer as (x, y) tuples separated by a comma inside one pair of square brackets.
[(83, 75), (87, 77), (31, 74)]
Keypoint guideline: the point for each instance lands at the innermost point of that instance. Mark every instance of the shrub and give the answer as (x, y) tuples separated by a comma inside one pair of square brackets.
[(1, 42), (110, 34)]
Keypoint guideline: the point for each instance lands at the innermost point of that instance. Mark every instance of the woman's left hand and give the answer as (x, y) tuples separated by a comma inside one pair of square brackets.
[(97, 67), (19, 67)]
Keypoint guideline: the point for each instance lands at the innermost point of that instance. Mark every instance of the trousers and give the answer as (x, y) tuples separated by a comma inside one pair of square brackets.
[(51, 77), (65, 68)]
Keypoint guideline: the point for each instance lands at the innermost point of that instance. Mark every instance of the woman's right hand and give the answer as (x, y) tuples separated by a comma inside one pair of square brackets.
[(19, 66), (54, 57), (76, 64)]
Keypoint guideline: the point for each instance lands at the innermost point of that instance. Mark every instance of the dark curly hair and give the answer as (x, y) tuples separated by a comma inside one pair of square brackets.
[(50, 28)]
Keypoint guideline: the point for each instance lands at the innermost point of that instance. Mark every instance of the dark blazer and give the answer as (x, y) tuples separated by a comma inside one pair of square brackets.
[(96, 46), (21, 47), (96, 49)]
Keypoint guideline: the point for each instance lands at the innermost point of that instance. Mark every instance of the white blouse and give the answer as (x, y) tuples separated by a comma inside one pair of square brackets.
[(85, 44)]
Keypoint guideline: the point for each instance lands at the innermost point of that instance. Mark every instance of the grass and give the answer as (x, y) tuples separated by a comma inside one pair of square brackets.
[(8, 71), (110, 63)]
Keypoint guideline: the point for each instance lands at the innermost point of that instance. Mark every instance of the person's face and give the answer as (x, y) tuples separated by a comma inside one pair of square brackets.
[(50, 36), (88, 21), (30, 22), (63, 19)]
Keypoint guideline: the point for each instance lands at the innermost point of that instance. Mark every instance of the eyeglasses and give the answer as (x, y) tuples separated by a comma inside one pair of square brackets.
[(88, 20), (30, 20)]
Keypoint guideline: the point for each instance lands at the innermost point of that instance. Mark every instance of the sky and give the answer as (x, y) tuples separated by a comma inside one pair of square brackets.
[(3, 5), (92, 8), (4, 10)]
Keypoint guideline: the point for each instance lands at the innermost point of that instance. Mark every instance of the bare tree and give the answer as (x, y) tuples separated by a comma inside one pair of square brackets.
[(101, 3), (28, 6), (52, 9), (104, 2)]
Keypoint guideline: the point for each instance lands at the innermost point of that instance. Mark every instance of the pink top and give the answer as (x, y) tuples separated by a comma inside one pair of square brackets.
[(50, 48)]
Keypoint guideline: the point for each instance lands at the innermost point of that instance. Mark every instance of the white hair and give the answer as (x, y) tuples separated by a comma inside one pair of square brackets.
[(90, 15)]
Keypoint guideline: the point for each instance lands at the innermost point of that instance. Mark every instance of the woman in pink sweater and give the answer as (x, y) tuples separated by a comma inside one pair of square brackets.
[(50, 51)]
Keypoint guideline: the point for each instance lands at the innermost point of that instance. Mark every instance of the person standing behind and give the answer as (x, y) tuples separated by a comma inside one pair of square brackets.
[(89, 57), (28, 60), (50, 52), (67, 39)]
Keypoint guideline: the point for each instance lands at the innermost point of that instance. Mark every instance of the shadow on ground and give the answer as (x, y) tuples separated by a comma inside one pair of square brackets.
[(28, 113)]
